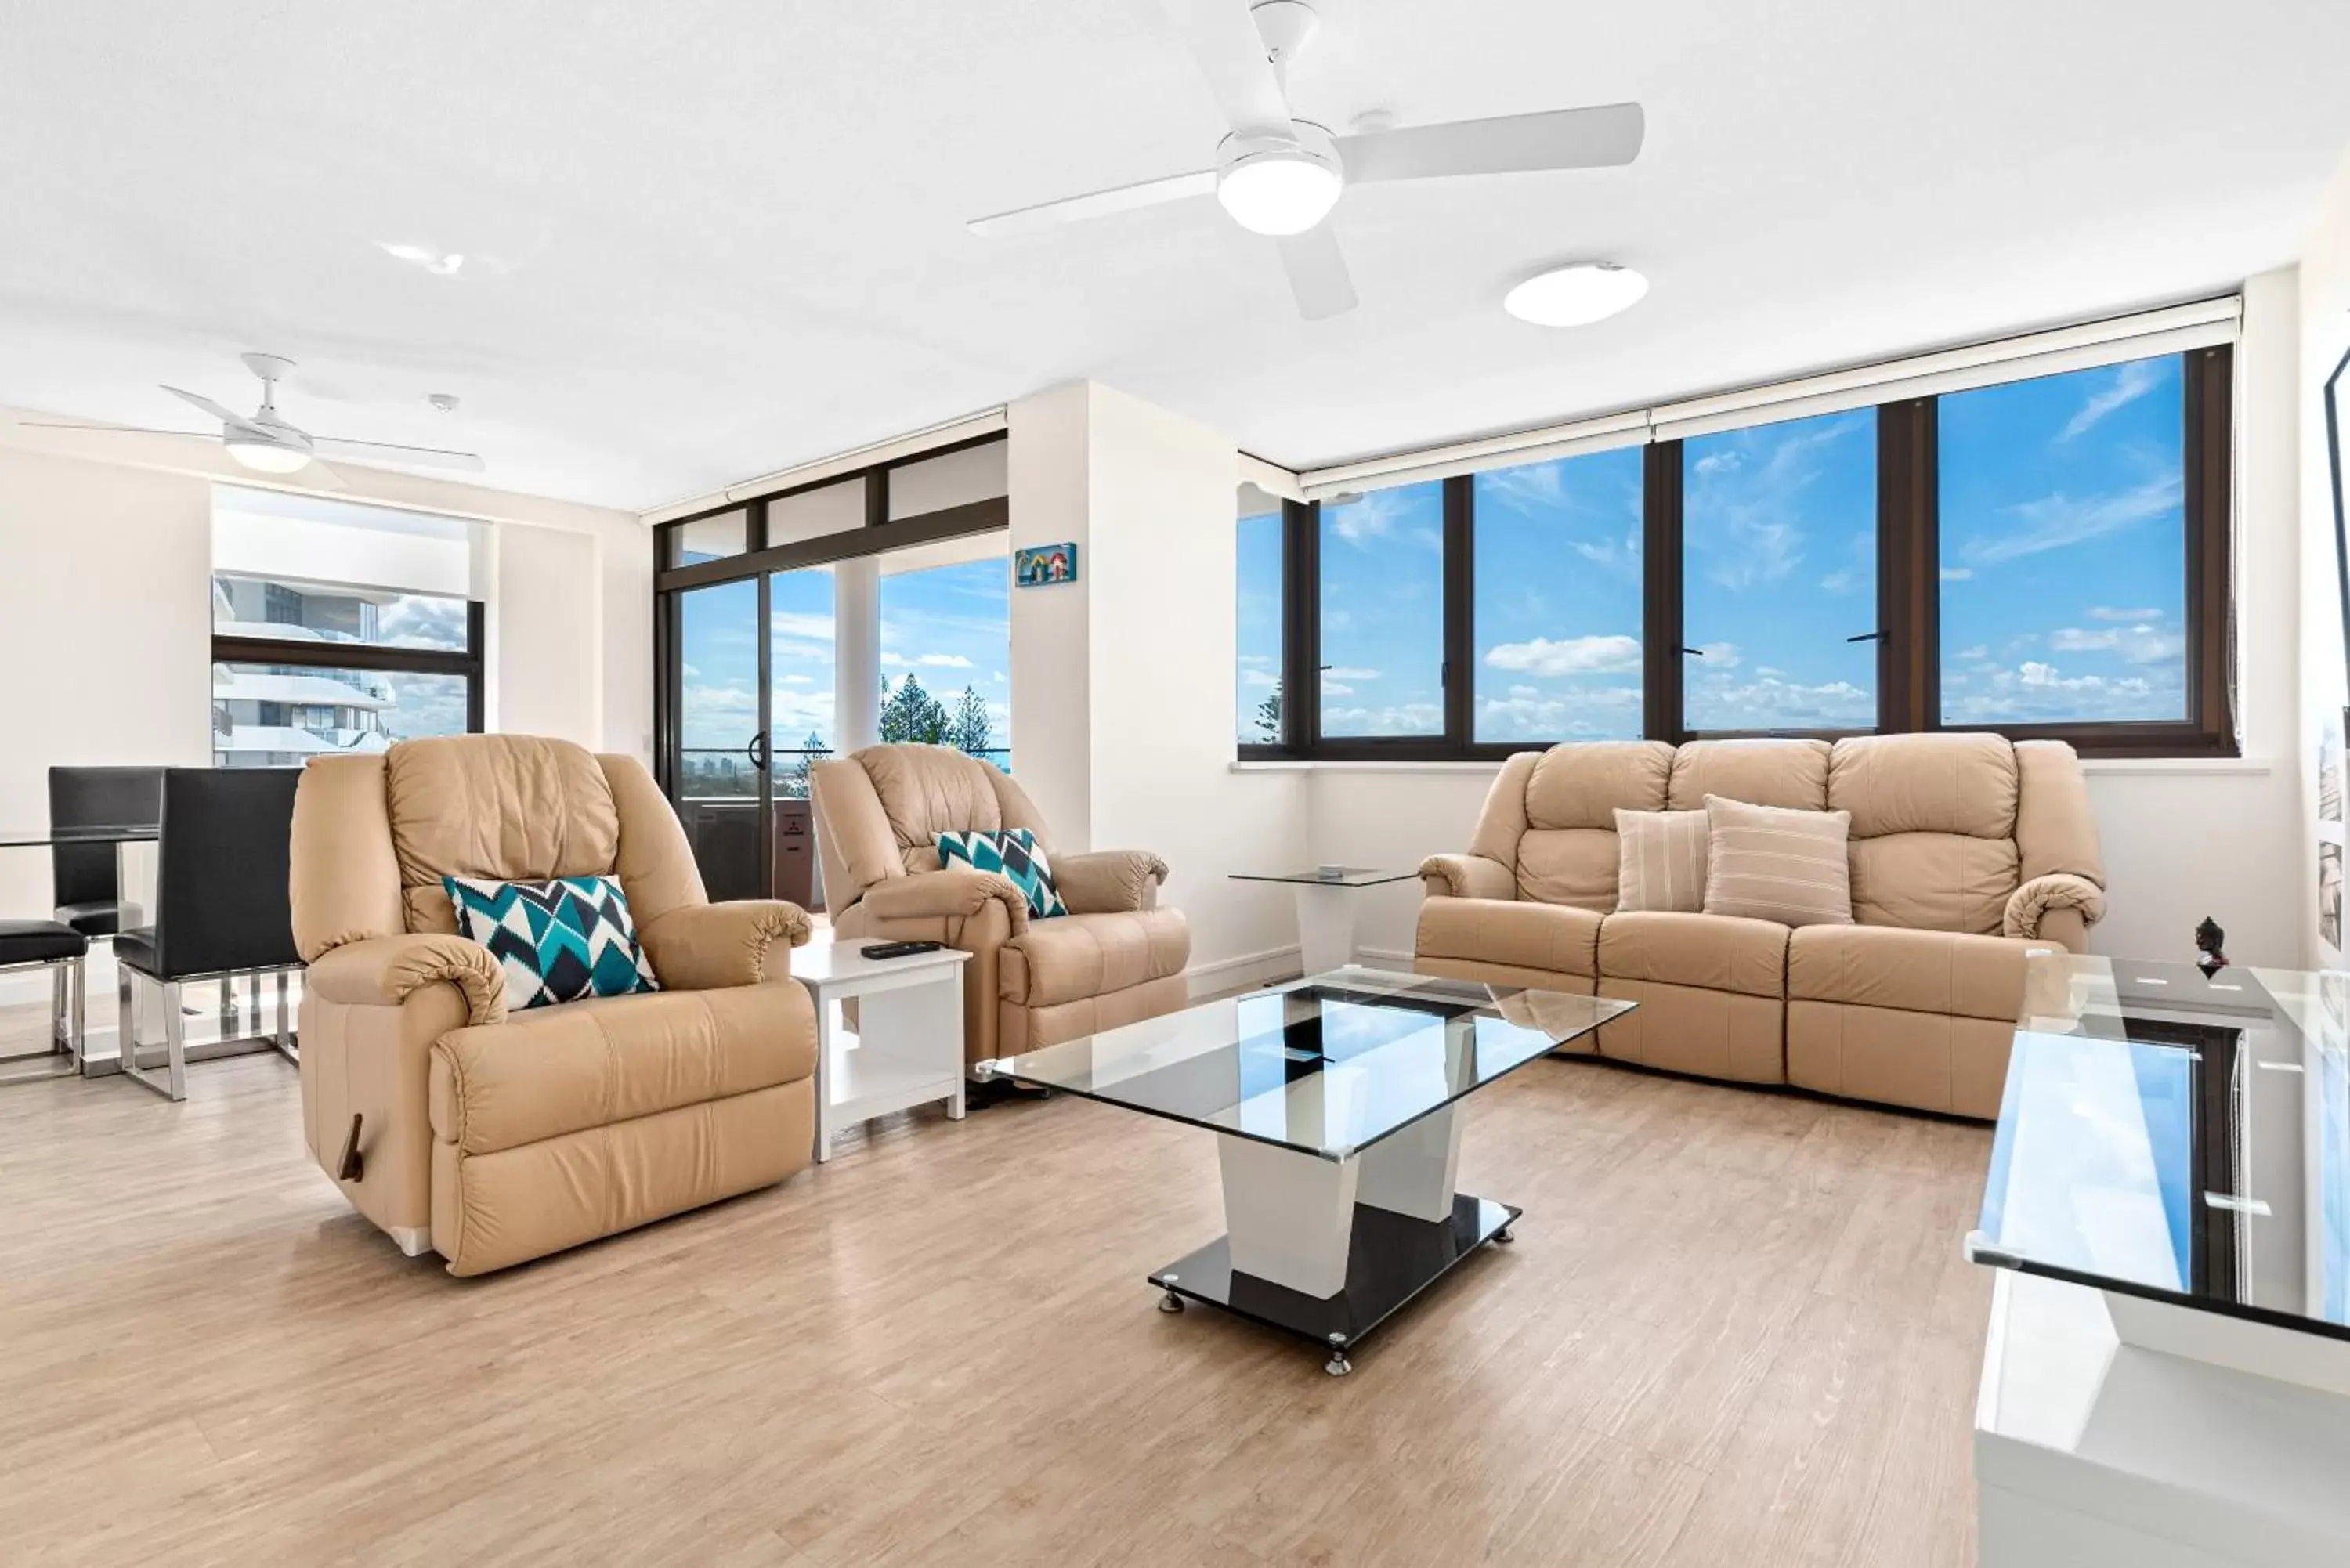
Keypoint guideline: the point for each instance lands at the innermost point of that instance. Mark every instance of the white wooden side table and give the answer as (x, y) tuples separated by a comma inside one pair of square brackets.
[(907, 1050)]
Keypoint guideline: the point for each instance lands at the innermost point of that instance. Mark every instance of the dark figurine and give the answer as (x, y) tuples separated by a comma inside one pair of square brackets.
[(2208, 937)]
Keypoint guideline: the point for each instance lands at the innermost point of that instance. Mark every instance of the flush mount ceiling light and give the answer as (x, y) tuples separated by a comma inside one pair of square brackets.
[(1276, 185), (1576, 295)]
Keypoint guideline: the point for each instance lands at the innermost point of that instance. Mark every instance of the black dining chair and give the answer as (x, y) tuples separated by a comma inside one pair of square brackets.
[(59, 949), (221, 909), (83, 875)]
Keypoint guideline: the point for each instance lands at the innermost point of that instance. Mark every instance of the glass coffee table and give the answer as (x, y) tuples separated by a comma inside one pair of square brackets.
[(1335, 1100)]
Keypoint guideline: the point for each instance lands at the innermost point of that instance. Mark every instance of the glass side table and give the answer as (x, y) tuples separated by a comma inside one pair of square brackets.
[(1329, 900)]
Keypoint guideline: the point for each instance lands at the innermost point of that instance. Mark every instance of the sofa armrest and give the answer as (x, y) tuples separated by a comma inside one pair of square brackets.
[(2058, 906), (384, 971), (1467, 876), (1109, 882), (711, 947), (945, 895)]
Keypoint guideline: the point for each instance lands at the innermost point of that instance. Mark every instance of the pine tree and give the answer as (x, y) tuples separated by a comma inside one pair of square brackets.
[(910, 715), (1268, 716), (970, 729)]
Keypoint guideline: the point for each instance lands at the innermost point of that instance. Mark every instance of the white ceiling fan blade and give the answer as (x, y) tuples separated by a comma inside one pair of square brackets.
[(1222, 37), (423, 456), (112, 429), (1097, 205), (218, 412), (1317, 273), (319, 476), (1514, 144)]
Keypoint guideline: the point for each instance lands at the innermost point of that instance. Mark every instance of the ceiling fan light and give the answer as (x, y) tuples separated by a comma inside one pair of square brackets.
[(1282, 191), (1576, 295), (266, 456)]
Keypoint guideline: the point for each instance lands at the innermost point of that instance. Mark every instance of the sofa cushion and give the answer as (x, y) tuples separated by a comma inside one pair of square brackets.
[(1918, 971), (1013, 853), (1661, 863), (1553, 938), (558, 940), (1717, 952), (1957, 783), (1571, 866), (1782, 772), (1766, 863), (1932, 881), (1080, 956), (506, 807), (558, 1070), (1581, 785)]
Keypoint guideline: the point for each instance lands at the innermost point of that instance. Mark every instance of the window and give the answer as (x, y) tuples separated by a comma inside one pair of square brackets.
[(1382, 613), (800, 674), (2063, 576), (946, 654), (338, 627), (1557, 600), (1256, 700), (2043, 557), (1779, 577)]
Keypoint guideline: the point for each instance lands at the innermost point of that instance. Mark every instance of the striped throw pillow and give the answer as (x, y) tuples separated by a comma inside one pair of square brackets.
[(1662, 864), (1770, 864)]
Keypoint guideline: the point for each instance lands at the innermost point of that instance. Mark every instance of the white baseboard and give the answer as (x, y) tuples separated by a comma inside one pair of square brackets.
[(1385, 958), (1248, 969)]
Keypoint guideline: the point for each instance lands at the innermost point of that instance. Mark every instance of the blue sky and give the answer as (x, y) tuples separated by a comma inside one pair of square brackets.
[(2062, 576), (948, 625)]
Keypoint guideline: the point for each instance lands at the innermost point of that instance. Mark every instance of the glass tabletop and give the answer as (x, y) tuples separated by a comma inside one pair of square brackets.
[(1331, 875), (2179, 1137), (43, 838), (1328, 1066)]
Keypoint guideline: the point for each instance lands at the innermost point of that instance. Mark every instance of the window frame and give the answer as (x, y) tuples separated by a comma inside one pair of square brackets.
[(469, 662), (1908, 601)]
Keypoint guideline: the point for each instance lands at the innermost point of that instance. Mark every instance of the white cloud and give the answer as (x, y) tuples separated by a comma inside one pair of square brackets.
[(1569, 656), (1714, 463), (2130, 382), (1720, 702), (1371, 515), (1956, 574), (797, 680), (2143, 644), (1526, 690), (1609, 713), (1347, 672), (1719, 656), (927, 661), (1977, 651), (1839, 582), (791, 623), (2106, 612), (2056, 520), (1768, 673), (1336, 688), (1256, 658), (1400, 718), (1749, 527), (1248, 678), (1621, 556)]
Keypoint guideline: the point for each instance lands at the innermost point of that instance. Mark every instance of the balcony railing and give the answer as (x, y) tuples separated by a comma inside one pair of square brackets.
[(739, 780)]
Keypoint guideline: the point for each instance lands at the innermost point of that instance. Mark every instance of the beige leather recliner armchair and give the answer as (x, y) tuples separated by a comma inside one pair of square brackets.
[(494, 1137), (1116, 957), (1967, 852)]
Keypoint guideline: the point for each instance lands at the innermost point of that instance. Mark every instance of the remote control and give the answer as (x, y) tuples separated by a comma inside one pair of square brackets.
[(898, 950)]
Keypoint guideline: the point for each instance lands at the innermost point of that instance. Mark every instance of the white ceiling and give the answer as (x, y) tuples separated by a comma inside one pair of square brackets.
[(706, 240)]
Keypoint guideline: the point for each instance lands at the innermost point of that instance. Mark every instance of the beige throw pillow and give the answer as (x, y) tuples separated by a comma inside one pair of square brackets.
[(1767, 863), (1663, 860)]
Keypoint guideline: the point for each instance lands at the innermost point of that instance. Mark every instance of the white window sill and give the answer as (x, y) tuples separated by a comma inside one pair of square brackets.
[(2183, 767)]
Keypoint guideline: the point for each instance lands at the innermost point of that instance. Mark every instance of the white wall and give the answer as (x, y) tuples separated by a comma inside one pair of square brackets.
[(106, 616), (1122, 681), (2324, 336)]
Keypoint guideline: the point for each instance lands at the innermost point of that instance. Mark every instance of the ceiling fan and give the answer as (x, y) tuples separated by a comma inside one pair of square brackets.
[(1277, 174), (266, 442)]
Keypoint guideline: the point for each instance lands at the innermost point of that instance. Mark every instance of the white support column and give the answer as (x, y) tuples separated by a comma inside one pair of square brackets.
[(1290, 1216), (856, 654), (1412, 1171), (1326, 926)]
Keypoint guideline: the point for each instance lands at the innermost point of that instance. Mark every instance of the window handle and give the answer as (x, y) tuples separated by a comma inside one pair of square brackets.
[(1866, 636), (1698, 652)]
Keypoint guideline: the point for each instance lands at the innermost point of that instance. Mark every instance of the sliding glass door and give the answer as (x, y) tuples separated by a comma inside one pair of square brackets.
[(720, 777)]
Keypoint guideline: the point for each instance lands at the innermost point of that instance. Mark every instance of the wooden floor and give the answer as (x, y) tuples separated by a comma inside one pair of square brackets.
[(1735, 1329)]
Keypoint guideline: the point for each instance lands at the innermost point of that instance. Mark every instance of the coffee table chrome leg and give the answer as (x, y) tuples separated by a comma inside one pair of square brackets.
[(1337, 1365), (1170, 1301), (1503, 1236)]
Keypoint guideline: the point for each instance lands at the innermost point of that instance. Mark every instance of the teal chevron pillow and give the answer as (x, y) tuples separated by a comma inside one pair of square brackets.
[(1013, 853), (556, 941)]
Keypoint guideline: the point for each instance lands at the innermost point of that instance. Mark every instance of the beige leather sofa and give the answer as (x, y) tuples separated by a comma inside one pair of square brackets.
[(494, 1137), (1967, 852), (1114, 958)]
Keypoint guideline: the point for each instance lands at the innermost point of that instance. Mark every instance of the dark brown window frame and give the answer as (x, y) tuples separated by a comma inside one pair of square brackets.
[(1909, 641), (470, 662)]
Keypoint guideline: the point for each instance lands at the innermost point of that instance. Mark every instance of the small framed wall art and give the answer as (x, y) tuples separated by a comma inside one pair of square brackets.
[(1040, 566)]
